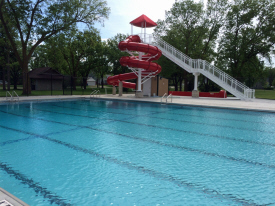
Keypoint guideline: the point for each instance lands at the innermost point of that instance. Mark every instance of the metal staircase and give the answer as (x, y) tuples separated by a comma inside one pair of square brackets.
[(216, 75)]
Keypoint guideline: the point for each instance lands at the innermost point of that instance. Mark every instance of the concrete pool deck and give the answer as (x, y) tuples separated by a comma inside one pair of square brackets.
[(229, 103), (7, 198)]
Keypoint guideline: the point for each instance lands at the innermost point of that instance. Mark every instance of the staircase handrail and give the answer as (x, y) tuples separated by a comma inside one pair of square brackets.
[(7, 92), (14, 92), (94, 93), (219, 71), (170, 95), (193, 65), (162, 97), (202, 66)]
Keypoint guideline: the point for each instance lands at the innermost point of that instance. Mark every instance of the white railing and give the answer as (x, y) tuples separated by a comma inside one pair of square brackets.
[(12, 96), (7, 97), (197, 65), (162, 97), (15, 95), (94, 93), (170, 95)]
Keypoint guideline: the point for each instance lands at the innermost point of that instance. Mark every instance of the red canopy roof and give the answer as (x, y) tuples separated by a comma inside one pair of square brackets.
[(142, 21)]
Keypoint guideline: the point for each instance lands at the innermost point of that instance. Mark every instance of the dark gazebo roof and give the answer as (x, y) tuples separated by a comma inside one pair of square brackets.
[(45, 73)]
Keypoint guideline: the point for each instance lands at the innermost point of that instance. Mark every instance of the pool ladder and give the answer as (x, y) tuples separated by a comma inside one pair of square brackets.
[(170, 95), (162, 97), (94, 94), (12, 96)]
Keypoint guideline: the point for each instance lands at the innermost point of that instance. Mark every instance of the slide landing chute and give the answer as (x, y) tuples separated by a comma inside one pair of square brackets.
[(133, 44)]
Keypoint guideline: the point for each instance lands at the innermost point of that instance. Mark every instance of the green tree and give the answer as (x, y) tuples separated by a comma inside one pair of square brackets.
[(37, 21), (114, 54), (54, 56), (91, 57), (39, 57), (76, 47), (7, 60), (193, 30), (102, 63), (3, 57), (270, 75), (247, 38), (16, 74)]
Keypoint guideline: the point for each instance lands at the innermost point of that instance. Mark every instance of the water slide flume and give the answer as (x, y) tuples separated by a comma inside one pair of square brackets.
[(133, 44)]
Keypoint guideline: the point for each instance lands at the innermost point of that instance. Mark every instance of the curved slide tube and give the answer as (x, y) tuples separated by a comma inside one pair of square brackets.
[(133, 43)]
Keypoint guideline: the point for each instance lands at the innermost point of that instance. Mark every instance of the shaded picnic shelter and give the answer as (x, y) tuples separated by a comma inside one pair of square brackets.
[(46, 78)]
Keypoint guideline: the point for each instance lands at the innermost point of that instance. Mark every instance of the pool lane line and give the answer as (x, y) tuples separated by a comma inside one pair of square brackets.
[(183, 107), (92, 117), (94, 110), (161, 127), (34, 137), (147, 112), (16, 140), (206, 108), (157, 142), (148, 171), (96, 124), (42, 191), (148, 115), (172, 109), (122, 104), (166, 112), (203, 152), (216, 110), (220, 118)]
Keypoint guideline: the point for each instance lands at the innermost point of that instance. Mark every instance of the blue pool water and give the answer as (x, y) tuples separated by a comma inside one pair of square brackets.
[(125, 153)]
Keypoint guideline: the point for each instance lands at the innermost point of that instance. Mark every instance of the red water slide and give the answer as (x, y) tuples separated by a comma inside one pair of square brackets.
[(133, 43)]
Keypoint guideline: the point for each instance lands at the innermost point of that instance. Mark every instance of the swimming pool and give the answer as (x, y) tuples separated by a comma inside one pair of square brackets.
[(127, 153)]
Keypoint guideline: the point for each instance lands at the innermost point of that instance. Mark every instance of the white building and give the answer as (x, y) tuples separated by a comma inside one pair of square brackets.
[(91, 81)]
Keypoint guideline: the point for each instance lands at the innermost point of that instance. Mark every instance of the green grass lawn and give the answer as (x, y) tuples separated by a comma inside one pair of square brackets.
[(259, 93), (265, 94), (79, 91)]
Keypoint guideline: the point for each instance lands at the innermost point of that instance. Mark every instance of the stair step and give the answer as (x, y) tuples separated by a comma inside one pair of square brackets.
[(210, 71)]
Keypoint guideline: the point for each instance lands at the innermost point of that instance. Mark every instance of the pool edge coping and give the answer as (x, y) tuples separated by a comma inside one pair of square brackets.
[(41, 99), (5, 195), (190, 105)]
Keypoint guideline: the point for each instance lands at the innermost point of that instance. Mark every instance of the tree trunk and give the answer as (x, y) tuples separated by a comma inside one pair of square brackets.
[(191, 85), (185, 83), (181, 79), (102, 82), (15, 85), (74, 81), (15, 76), (176, 83), (4, 79), (8, 72), (84, 82), (26, 79), (206, 85)]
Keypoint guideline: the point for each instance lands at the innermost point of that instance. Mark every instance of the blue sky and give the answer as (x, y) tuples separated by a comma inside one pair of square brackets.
[(124, 11)]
